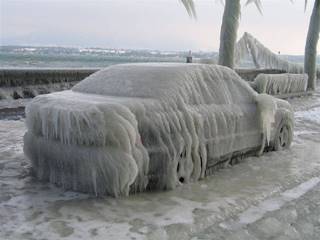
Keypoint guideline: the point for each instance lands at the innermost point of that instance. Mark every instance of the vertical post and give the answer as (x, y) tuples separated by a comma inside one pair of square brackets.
[(189, 57)]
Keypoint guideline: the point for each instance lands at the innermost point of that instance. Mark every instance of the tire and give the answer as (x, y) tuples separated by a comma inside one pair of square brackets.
[(283, 137)]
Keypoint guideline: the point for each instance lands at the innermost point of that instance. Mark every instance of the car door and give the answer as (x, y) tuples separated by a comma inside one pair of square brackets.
[(248, 130), (221, 118), (231, 125)]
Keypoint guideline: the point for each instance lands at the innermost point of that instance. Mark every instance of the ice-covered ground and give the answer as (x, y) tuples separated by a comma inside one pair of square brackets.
[(246, 201)]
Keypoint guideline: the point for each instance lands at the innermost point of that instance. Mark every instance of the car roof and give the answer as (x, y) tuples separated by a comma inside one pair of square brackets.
[(196, 82)]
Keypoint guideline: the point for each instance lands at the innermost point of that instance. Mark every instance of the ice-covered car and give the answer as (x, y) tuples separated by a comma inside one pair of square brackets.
[(133, 127)]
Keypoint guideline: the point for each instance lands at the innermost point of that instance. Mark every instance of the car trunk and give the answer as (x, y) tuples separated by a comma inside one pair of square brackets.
[(82, 136)]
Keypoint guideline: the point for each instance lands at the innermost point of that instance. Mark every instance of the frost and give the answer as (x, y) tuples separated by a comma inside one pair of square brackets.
[(262, 57), (276, 84), (133, 127), (267, 108)]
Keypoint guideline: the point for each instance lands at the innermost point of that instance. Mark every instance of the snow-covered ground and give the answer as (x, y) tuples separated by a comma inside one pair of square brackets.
[(276, 195)]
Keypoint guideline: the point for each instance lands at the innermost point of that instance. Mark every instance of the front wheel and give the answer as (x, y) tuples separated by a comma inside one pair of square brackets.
[(283, 137)]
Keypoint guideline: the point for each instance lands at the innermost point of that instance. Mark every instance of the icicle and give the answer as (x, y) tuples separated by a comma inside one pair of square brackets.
[(267, 110), (248, 46), (276, 84)]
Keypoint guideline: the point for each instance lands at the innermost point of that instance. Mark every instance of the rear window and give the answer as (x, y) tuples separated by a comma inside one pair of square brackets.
[(133, 80)]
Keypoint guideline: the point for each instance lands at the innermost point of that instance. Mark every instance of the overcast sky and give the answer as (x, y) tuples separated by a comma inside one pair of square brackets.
[(147, 24)]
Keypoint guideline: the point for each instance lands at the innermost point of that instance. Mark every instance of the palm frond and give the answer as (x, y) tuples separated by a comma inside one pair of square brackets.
[(189, 5), (257, 3), (305, 5)]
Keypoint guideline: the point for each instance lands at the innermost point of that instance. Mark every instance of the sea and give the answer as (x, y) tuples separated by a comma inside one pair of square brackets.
[(67, 57), (79, 57)]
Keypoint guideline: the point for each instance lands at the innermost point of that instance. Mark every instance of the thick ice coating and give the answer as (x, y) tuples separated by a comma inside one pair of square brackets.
[(136, 126), (275, 84), (267, 108), (262, 57)]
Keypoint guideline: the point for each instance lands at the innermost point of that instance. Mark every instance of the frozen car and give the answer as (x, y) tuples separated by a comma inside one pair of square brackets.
[(133, 127)]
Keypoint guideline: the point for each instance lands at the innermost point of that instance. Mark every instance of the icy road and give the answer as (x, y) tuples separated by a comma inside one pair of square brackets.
[(275, 196)]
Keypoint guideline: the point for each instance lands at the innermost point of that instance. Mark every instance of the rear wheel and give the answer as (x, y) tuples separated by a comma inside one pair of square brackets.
[(283, 136)]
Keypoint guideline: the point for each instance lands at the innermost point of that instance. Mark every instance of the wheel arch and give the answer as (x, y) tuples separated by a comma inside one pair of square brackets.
[(282, 116)]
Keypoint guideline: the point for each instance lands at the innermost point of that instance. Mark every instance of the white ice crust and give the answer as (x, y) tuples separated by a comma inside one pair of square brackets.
[(136, 126), (267, 108), (262, 56), (277, 84)]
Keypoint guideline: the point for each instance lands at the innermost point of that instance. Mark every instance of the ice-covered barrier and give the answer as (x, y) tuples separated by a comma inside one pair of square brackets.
[(248, 47), (277, 84), (262, 57), (28, 83), (132, 127), (251, 74)]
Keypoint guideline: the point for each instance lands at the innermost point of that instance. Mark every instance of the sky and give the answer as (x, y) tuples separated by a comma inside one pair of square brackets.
[(148, 24)]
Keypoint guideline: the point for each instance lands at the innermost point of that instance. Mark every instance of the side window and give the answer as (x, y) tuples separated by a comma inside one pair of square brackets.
[(214, 88), (241, 91), (217, 85)]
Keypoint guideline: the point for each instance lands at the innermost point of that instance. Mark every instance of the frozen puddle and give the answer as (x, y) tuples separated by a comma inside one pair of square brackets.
[(255, 213)]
